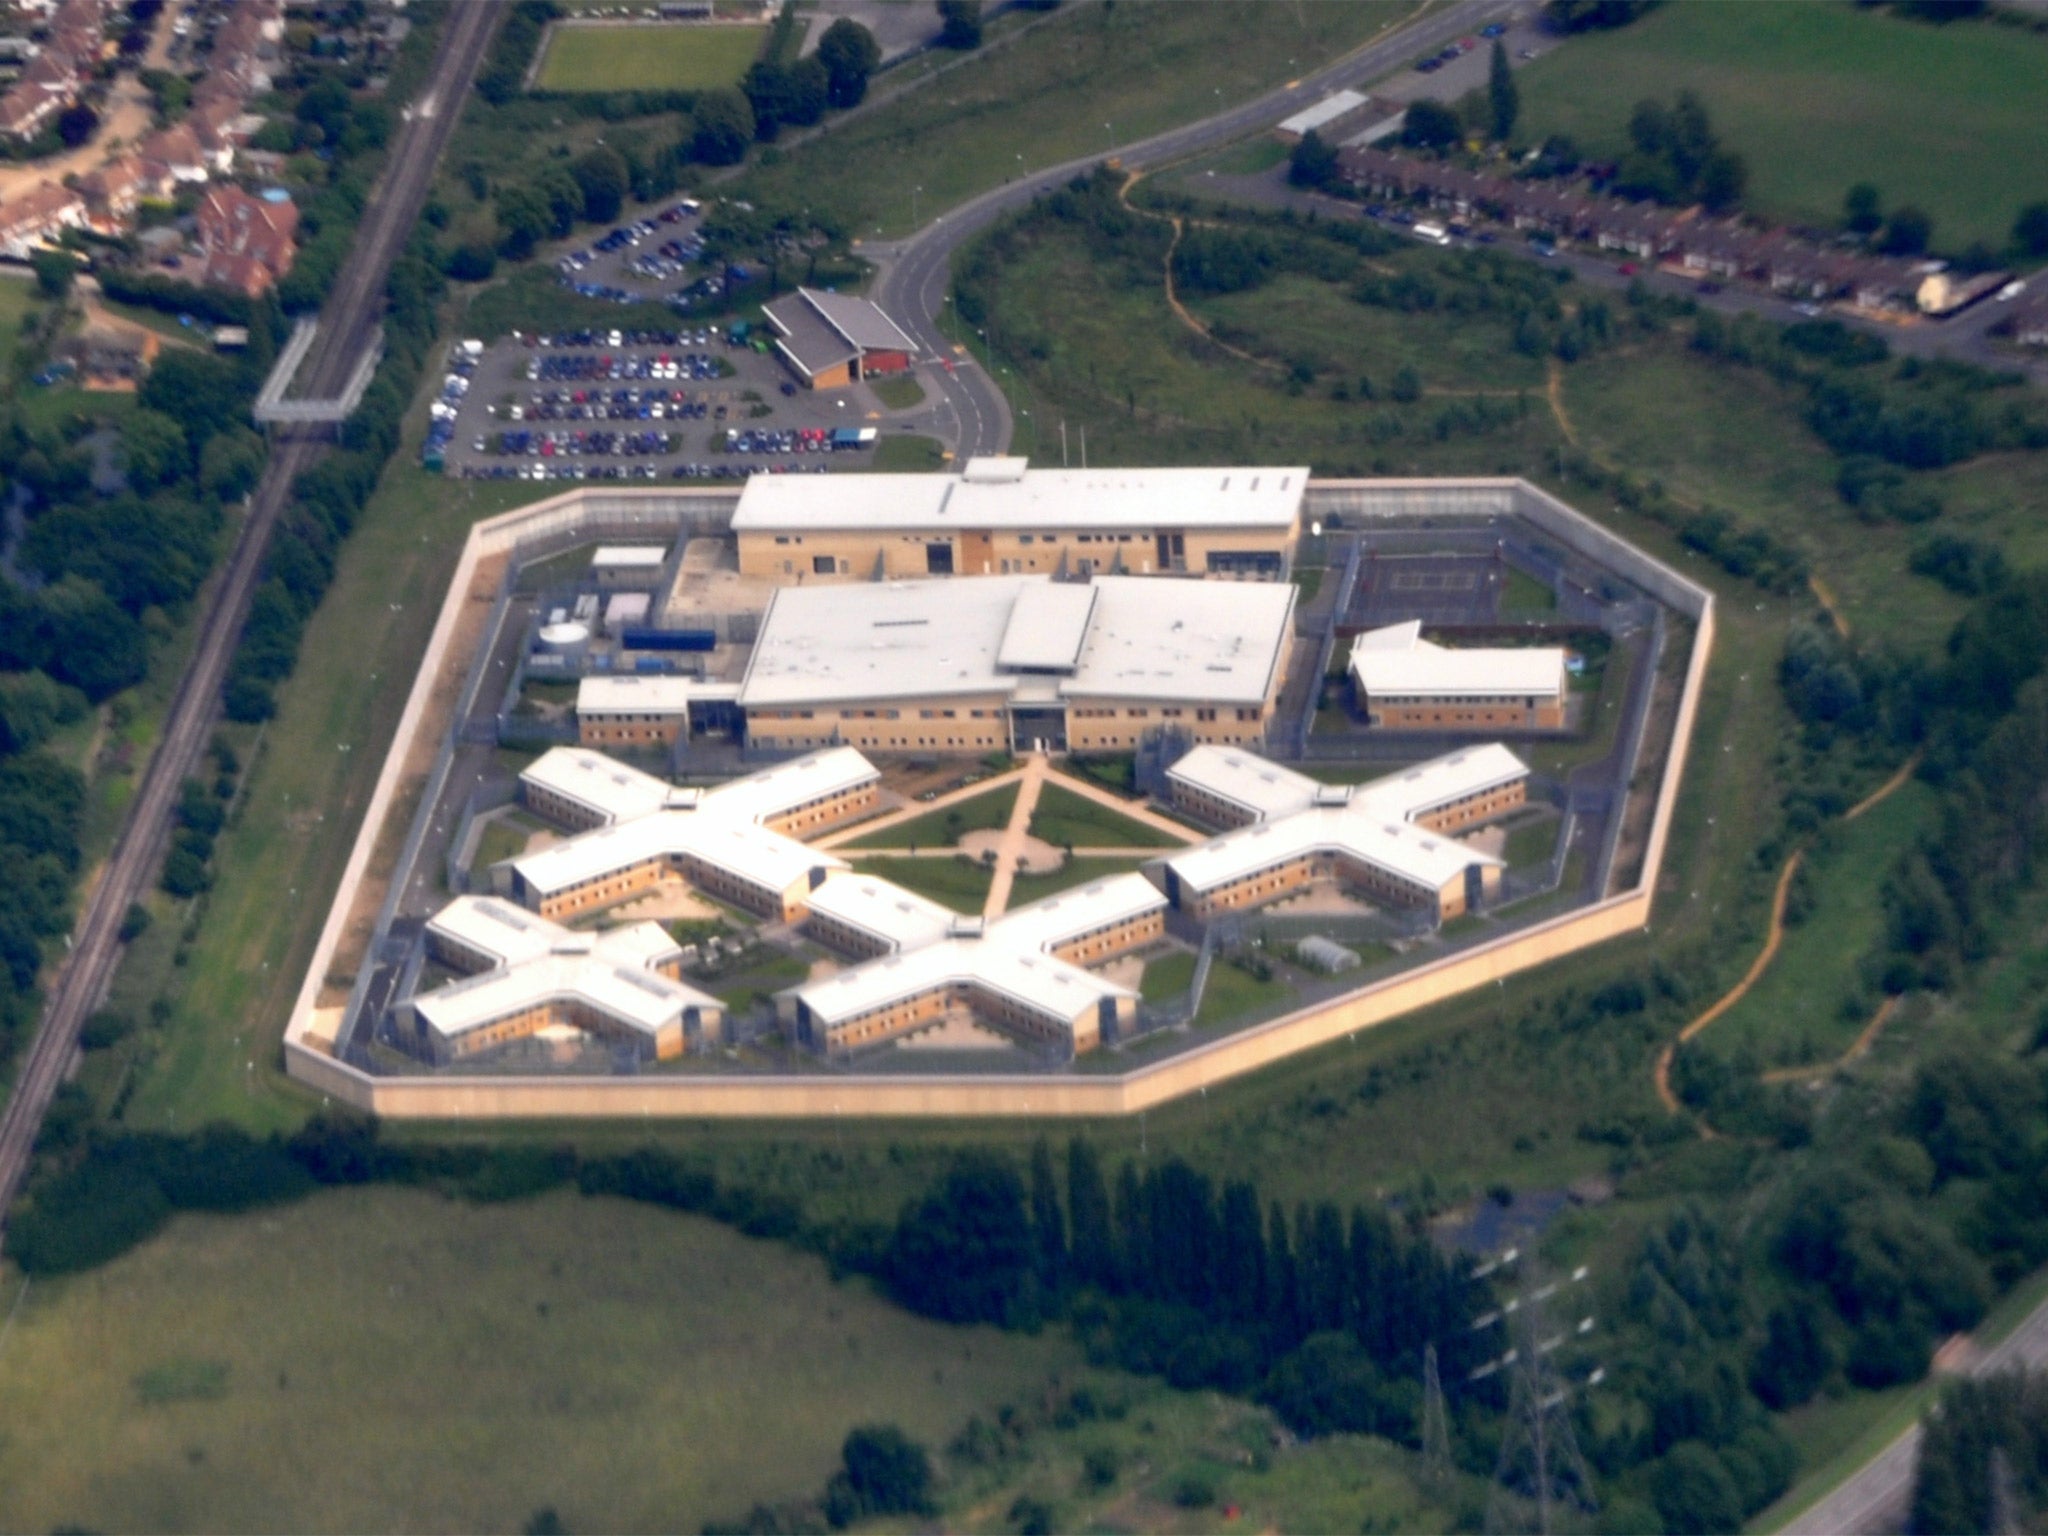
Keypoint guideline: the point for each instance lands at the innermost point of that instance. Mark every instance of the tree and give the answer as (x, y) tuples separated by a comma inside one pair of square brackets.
[(807, 90), (1862, 209), (1908, 231), (1431, 125), (1312, 163), (54, 271), (890, 1473), (850, 55), (1048, 1223), (1503, 94), (154, 452), (1794, 1358), (960, 24), (1694, 1493), (2030, 230), (76, 124), (724, 128), (1723, 178), (601, 175), (964, 1252), (522, 215)]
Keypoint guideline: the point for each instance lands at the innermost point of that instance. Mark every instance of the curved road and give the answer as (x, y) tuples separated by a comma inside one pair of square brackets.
[(347, 320), (916, 273)]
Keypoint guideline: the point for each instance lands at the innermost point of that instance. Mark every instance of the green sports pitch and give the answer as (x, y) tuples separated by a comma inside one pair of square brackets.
[(683, 56)]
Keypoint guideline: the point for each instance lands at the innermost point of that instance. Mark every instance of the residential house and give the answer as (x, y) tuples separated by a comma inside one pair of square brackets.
[(245, 242), (174, 156), (112, 192), (36, 217)]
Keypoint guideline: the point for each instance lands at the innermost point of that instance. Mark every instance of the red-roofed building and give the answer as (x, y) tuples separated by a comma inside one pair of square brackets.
[(36, 217), (245, 242)]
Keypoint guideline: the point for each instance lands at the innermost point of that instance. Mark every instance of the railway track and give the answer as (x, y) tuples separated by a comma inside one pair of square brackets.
[(348, 320)]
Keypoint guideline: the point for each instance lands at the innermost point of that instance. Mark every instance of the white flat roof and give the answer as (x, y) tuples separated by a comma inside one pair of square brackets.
[(740, 848), (542, 962), (1054, 920), (1010, 956), (649, 695), (1146, 637), (608, 787), (1372, 822), (719, 826), (1242, 497), (626, 608), (1426, 859), (1396, 662), (635, 557), (1244, 778), (1047, 625), (1328, 110), (901, 919)]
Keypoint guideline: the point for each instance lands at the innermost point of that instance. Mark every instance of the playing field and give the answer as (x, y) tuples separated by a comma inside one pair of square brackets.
[(1819, 97), (387, 1360), (683, 57)]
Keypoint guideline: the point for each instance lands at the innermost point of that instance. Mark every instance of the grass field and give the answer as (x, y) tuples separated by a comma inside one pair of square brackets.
[(1088, 78), (957, 882), (684, 57), (943, 828), (1068, 820), (1794, 1014), (1818, 97), (1076, 871), (389, 1360), (907, 452), (898, 391)]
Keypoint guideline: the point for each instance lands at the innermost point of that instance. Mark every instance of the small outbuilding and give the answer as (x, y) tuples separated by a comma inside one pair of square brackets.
[(831, 339)]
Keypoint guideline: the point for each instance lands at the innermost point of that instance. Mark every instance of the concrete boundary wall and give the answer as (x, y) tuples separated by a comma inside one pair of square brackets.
[(1069, 1094)]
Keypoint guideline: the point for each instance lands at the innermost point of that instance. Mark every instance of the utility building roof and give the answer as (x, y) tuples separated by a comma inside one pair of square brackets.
[(1396, 662), (628, 557), (1139, 637), (650, 695), (1323, 113), (1004, 493)]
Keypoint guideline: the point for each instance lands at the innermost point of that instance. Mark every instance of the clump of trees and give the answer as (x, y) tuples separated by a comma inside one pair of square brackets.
[(1983, 1464), (1677, 159)]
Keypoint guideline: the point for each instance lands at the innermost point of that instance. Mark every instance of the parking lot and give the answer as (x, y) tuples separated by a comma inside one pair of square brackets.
[(687, 404), (652, 259)]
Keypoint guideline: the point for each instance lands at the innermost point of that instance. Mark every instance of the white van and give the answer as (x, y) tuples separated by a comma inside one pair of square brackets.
[(1433, 232)]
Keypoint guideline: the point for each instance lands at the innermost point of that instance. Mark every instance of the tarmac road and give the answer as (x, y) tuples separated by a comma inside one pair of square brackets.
[(916, 277), (346, 321)]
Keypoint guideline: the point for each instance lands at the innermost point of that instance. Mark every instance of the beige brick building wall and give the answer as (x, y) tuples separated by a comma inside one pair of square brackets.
[(791, 559)]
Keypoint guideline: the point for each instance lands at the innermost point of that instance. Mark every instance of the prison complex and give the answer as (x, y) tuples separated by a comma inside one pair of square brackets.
[(999, 516), (1405, 683)]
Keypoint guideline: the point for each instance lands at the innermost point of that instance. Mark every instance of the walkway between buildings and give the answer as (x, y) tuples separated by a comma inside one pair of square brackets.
[(1012, 846)]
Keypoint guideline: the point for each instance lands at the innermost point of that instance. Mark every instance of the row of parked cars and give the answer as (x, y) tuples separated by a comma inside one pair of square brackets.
[(778, 440), (577, 442), (686, 337), (613, 405), (571, 368), (559, 469)]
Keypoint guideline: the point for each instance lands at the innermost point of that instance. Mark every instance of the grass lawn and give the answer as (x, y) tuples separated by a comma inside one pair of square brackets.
[(1089, 77), (907, 452), (898, 391), (958, 882), (1532, 842), (1233, 993), (501, 839), (945, 827), (1068, 820), (1525, 594), (1025, 889), (1819, 97), (642, 58), (278, 865), (385, 1359), (1167, 977), (1308, 581)]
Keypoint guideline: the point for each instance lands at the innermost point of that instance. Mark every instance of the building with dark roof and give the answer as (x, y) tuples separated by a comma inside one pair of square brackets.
[(830, 339)]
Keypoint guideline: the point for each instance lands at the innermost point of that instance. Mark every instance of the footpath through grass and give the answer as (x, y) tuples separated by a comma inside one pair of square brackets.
[(1818, 97), (384, 1359)]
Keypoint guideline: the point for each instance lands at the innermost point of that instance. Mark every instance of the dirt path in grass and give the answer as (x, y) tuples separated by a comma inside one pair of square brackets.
[(1774, 936), (1553, 391), (1180, 310), (1825, 596)]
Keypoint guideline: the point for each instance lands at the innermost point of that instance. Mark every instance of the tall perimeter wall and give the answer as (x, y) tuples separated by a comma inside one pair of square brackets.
[(1361, 502)]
